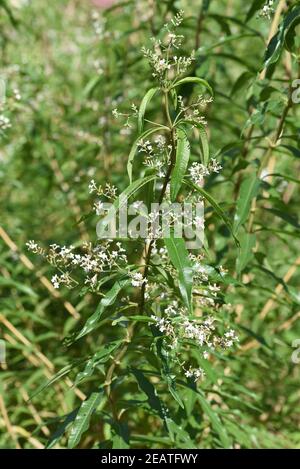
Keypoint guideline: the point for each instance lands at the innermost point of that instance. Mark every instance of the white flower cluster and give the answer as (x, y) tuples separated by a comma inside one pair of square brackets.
[(98, 207), (267, 10), (157, 154), (199, 171), (178, 329), (17, 94), (92, 186), (145, 147), (127, 125), (166, 66), (137, 279), (4, 122), (191, 112), (206, 296), (99, 25), (161, 252), (109, 191), (34, 247), (162, 65), (176, 20), (64, 279), (98, 259), (196, 373)]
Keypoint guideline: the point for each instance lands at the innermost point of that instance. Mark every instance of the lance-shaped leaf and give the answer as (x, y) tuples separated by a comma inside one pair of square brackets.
[(101, 356), (166, 373), (180, 259), (59, 432), (147, 387), (215, 420), (83, 417), (196, 80), (145, 101), (154, 401), (93, 321), (204, 147), (60, 374), (204, 144), (182, 159), (248, 191), (220, 212), (276, 44), (247, 241)]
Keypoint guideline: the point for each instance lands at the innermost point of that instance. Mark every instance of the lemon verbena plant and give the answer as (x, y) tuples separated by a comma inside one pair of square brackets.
[(156, 287)]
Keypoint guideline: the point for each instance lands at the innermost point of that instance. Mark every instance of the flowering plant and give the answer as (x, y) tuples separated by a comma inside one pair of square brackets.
[(160, 306)]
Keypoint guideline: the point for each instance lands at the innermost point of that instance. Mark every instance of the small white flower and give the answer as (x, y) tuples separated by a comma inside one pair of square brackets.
[(137, 279), (4, 122), (98, 207), (197, 172), (32, 245), (55, 281), (92, 186)]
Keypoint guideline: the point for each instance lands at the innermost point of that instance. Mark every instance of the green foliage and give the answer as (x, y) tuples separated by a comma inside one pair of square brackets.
[(111, 359)]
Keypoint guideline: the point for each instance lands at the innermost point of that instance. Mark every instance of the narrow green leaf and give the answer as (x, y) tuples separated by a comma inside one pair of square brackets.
[(93, 321), (215, 420), (180, 259), (4, 5), (276, 43), (204, 144), (204, 147), (91, 85), (241, 82), (247, 242), (101, 356), (181, 436), (166, 373), (182, 160), (150, 391), (225, 40), (220, 212), (139, 318), (120, 440), (145, 101), (291, 219), (59, 432), (83, 417), (9, 282), (295, 151), (197, 80), (60, 374), (248, 191), (256, 336)]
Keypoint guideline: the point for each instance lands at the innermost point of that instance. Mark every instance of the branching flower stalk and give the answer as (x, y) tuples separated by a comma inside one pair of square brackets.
[(172, 143)]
